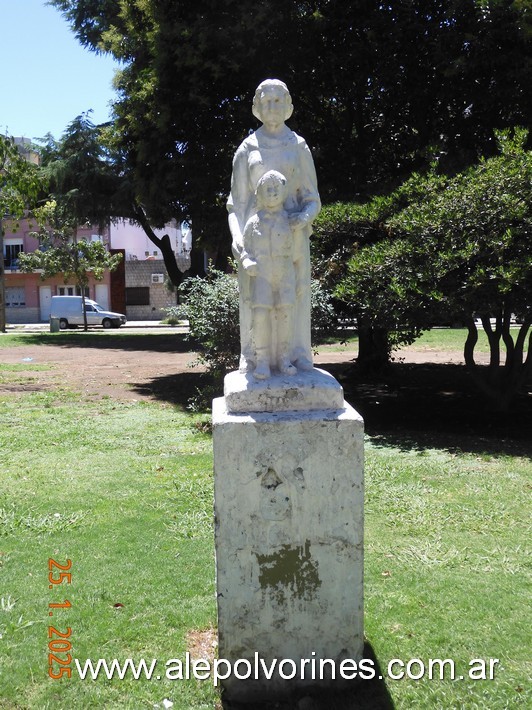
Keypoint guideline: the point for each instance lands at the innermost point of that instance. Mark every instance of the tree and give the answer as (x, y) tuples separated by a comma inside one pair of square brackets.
[(81, 178), (61, 252), (462, 250), (20, 184), (379, 89), (85, 170), (83, 186), (355, 257)]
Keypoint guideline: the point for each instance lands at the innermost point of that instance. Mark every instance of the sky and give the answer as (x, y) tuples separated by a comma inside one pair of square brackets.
[(46, 77)]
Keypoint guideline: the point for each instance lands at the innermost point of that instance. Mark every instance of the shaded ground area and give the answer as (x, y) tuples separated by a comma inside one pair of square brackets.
[(427, 405), (425, 400), (369, 694)]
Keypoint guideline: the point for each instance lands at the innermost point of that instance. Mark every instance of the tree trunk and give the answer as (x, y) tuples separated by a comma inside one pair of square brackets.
[(85, 324), (163, 243), (373, 348), (500, 384), (197, 265), (80, 282)]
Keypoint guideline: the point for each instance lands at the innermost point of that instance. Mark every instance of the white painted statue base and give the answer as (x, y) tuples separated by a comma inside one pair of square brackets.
[(289, 544), (305, 391)]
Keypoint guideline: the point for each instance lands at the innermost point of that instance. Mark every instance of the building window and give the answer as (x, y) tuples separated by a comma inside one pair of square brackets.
[(15, 297), (71, 291), (138, 296), (11, 256)]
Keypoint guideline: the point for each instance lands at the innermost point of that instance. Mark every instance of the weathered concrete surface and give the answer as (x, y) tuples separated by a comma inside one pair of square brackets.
[(305, 391), (289, 540)]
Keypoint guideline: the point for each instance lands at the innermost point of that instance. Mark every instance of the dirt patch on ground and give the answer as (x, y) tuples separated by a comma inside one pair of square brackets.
[(425, 394), (133, 373), (121, 374), (202, 644)]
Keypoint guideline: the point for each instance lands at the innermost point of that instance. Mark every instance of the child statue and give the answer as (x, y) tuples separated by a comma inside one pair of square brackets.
[(268, 258)]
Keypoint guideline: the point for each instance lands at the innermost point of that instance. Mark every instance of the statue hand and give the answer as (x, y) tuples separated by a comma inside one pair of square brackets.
[(250, 266), (237, 248), (297, 220)]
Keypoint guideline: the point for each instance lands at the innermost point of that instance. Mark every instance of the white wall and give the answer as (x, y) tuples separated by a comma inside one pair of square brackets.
[(132, 238)]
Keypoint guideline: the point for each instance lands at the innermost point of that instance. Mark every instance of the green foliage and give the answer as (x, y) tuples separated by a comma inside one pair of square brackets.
[(211, 307), (323, 316), (20, 185), (174, 314), (74, 260), (342, 228), (82, 184), (461, 248), (379, 88), (356, 255), (62, 253), (20, 181), (477, 229), (82, 181)]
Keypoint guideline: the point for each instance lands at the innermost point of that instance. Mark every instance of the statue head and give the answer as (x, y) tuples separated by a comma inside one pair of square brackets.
[(276, 88), (271, 189)]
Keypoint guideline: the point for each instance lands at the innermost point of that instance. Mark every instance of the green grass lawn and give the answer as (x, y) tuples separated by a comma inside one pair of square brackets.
[(442, 339), (449, 339), (124, 491)]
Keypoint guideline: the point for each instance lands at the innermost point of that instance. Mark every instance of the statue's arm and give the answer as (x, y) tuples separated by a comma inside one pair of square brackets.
[(238, 199), (308, 197), (247, 255)]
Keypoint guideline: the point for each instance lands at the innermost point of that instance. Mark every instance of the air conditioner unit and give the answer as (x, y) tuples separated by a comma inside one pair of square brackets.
[(157, 278)]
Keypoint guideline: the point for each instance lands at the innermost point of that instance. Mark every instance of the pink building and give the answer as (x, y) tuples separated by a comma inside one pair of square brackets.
[(27, 296)]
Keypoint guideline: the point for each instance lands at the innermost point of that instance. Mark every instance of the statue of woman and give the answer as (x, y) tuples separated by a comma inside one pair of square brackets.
[(274, 146)]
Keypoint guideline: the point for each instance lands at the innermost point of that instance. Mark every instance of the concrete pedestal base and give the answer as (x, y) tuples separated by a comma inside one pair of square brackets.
[(289, 552)]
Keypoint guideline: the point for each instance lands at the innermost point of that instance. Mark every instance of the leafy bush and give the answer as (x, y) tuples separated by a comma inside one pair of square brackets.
[(174, 314), (323, 320), (211, 307), (461, 248)]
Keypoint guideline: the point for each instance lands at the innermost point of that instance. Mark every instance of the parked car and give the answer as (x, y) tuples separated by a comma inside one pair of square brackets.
[(69, 311)]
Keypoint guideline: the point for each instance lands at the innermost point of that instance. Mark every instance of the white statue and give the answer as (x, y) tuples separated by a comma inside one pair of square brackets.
[(285, 330), (268, 258)]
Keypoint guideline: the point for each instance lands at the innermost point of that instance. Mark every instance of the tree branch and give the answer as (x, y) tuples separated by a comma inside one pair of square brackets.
[(163, 243)]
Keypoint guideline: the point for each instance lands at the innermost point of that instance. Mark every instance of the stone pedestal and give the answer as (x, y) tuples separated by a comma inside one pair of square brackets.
[(289, 535)]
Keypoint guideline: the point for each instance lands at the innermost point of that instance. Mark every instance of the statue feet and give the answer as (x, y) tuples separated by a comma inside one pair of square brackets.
[(286, 367), (262, 371), (245, 365), (304, 364)]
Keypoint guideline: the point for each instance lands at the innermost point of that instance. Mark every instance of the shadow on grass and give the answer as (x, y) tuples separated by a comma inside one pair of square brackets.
[(425, 406), (103, 340), (356, 695), (411, 407), (180, 389)]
